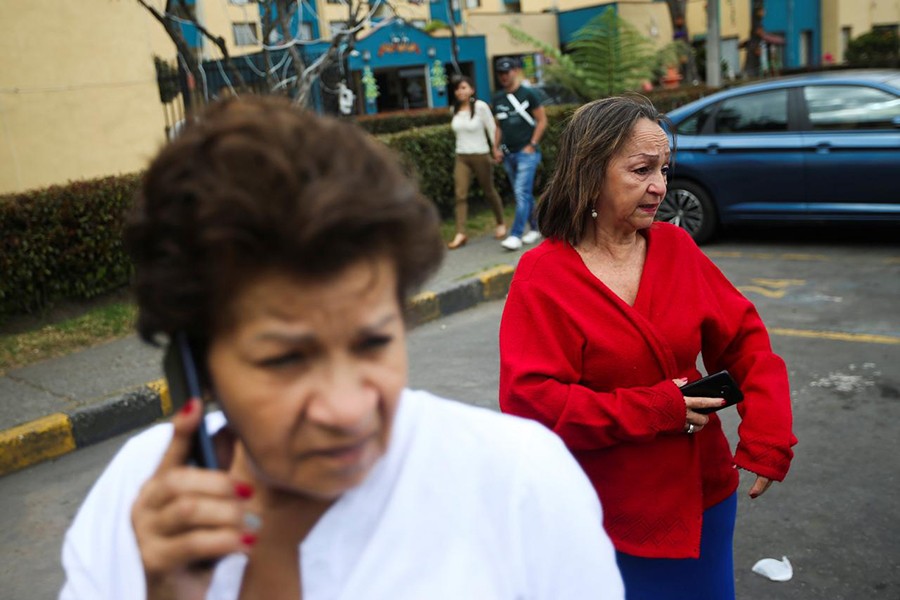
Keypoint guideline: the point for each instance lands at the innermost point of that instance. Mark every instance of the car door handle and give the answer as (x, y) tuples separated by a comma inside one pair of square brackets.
[(712, 149), (823, 147)]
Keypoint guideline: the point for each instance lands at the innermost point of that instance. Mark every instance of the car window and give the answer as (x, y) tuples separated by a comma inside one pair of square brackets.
[(850, 107), (762, 112), (693, 125)]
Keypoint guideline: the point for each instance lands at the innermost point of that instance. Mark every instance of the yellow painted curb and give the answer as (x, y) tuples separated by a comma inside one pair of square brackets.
[(422, 308), (496, 281), (165, 400), (840, 336), (39, 440)]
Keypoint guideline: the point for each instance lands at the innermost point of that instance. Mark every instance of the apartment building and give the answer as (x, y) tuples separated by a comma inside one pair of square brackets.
[(79, 95)]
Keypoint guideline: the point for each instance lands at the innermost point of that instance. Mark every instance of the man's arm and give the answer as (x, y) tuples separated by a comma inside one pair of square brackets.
[(498, 137), (540, 124)]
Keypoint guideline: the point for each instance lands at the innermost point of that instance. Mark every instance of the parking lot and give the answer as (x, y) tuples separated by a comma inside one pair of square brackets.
[(829, 298)]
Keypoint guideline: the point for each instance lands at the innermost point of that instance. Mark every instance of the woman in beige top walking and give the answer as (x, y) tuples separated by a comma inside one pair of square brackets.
[(473, 124)]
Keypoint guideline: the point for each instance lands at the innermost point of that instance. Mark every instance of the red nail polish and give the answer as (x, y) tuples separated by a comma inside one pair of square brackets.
[(243, 490), (754, 495), (188, 407), (248, 539)]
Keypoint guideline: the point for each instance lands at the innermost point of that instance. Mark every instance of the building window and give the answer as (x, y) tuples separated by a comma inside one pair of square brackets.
[(418, 23), (731, 56), (336, 1), (511, 6), (336, 27), (846, 35), (241, 2), (304, 31), (806, 44), (892, 28), (381, 9), (245, 34), (473, 4)]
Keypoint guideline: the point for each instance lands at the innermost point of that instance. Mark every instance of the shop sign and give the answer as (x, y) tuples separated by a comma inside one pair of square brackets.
[(399, 48)]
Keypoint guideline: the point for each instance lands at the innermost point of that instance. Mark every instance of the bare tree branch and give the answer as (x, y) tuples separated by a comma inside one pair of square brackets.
[(284, 10), (184, 51), (219, 41)]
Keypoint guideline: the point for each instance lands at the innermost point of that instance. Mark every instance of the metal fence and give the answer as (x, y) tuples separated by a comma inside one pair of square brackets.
[(182, 94)]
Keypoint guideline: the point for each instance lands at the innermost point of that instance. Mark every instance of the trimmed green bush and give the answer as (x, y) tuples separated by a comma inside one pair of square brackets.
[(387, 123), (63, 243), (878, 48)]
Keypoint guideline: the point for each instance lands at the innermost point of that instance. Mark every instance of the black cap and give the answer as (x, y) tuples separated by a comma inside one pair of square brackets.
[(506, 64)]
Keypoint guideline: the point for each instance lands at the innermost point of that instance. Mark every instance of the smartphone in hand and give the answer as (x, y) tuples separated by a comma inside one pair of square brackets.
[(183, 378), (718, 385)]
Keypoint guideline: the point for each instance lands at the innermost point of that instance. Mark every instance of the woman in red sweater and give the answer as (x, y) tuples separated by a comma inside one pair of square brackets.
[(603, 325)]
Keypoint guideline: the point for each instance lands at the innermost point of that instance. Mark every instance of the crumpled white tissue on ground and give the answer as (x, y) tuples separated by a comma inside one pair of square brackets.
[(776, 570)]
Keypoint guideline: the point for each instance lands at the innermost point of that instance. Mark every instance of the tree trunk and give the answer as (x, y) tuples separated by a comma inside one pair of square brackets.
[(677, 13), (267, 25), (454, 46), (188, 60), (754, 46), (284, 8)]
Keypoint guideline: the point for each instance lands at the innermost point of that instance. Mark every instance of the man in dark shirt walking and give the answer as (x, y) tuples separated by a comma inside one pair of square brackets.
[(522, 121)]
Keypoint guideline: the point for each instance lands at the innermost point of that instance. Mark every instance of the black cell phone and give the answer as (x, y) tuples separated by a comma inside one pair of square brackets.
[(183, 378), (717, 385)]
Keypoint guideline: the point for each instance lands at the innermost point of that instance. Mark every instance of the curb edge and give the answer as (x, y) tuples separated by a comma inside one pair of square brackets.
[(57, 434)]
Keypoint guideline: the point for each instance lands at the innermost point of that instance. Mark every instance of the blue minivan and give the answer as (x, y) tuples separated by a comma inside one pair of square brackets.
[(816, 147)]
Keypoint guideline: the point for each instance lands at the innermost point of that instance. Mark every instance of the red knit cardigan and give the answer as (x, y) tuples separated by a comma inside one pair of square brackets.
[(598, 372)]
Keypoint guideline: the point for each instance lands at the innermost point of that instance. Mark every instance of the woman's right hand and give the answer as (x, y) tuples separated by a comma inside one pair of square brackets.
[(185, 517), (695, 421)]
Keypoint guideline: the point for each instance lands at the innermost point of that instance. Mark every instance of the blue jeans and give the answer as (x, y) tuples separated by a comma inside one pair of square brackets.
[(520, 168), (710, 577)]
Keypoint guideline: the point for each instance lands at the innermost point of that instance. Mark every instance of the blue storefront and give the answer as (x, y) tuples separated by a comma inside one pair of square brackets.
[(799, 23), (400, 67)]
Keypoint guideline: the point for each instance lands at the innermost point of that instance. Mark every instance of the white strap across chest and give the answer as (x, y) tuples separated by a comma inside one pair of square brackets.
[(520, 108)]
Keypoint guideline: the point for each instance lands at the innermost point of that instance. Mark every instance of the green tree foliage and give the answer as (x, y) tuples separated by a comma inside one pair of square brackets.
[(879, 48), (607, 56)]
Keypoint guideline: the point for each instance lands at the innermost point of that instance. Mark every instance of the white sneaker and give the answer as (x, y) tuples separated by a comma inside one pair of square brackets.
[(512, 243), (531, 237)]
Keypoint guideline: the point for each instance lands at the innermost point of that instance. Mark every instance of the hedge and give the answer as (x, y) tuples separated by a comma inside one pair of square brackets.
[(393, 122), (63, 243)]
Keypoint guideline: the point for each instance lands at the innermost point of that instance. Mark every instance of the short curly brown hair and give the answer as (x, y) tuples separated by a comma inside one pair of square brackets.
[(256, 185)]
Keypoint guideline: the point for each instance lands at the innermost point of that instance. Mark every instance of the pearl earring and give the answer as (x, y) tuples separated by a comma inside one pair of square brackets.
[(593, 213)]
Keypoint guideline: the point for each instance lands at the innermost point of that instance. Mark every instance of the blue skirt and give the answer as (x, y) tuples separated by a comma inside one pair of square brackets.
[(710, 577)]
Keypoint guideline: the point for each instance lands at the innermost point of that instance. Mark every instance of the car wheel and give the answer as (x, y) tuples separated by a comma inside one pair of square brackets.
[(688, 206)]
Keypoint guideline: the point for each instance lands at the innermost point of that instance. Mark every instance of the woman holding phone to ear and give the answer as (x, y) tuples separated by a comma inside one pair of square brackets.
[(602, 326), (284, 245)]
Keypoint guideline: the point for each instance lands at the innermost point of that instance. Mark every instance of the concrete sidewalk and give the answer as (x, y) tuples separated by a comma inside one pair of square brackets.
[(59, 405)]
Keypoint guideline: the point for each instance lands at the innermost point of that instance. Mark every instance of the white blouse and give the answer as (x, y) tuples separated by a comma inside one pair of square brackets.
[(467, 503), (470, 131)]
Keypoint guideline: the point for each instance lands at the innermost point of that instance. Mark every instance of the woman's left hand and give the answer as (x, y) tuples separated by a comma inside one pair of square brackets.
[(760, 486)]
